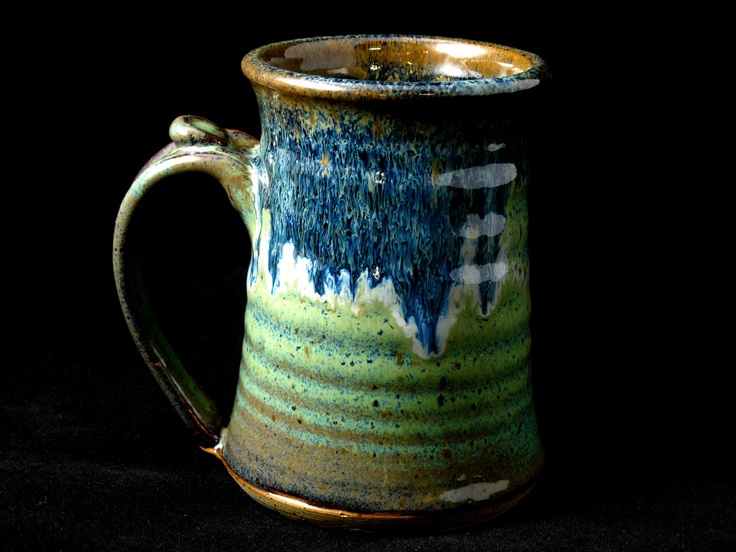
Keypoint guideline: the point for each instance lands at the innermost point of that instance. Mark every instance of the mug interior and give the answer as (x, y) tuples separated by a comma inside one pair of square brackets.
[(357, 67), (396, 59)]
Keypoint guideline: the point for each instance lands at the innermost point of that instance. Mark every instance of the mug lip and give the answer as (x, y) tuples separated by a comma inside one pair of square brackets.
[(259, 71)]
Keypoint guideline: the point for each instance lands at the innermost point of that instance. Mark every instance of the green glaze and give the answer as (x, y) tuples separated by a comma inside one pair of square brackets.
[(385, 379)]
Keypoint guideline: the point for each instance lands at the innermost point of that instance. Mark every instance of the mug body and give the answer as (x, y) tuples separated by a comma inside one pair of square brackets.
[(386, 360)]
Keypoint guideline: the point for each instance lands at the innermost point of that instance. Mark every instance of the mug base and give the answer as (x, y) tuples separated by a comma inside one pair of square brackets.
[(303, 510)]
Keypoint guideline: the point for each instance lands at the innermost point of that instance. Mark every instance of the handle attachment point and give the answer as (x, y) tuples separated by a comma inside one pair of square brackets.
[(198, 145), (191, 130)]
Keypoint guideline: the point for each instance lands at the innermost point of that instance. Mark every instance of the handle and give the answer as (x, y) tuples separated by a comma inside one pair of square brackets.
[(198, 146)]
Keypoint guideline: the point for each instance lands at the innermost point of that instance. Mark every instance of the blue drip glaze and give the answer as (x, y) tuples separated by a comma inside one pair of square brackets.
[(354, 200)]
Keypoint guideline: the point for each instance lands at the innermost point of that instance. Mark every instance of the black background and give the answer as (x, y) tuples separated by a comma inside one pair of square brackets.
[(630, 378)]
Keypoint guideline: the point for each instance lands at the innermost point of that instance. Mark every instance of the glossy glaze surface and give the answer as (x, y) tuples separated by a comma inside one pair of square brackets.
[(386, 361), (392, 66), (385, 380)]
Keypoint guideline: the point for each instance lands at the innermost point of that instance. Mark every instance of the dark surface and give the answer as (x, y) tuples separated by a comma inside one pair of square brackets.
[(632, 388)]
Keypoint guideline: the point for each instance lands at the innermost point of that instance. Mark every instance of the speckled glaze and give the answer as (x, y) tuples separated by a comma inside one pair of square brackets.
[(385, 377)]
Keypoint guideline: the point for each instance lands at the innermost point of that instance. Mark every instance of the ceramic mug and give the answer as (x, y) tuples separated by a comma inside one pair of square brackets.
[(385, 376)]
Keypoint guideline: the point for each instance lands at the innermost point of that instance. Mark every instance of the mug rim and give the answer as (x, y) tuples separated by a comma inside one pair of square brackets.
[(256, 67)]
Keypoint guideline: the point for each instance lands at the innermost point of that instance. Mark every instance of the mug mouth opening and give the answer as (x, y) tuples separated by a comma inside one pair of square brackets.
[(383, 66)]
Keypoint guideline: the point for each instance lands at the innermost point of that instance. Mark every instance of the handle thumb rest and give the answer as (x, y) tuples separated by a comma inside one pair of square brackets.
[(198, 145)]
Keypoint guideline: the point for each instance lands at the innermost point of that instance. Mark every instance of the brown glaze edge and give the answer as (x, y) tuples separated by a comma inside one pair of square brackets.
[(380, 522)]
